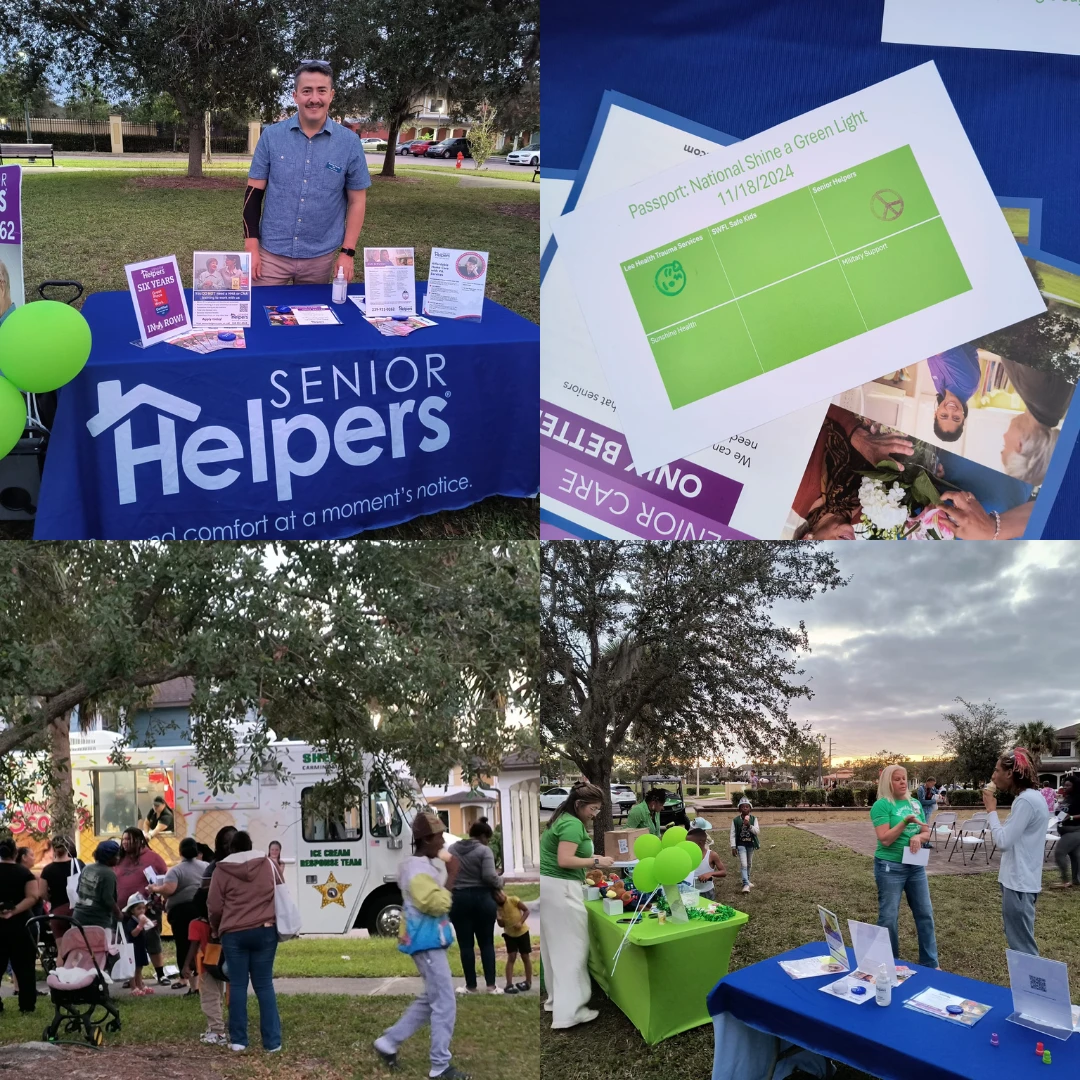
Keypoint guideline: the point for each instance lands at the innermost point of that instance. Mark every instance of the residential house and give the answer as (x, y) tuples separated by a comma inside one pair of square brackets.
[(1065, 757)]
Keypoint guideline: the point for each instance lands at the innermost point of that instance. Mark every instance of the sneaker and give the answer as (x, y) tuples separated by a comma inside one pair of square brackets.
[(237, 1047), (587, 1016), (495, 990), (276, 1050), (208, 1038), (164, 980), (746, 888), (466, 990), (752, 885), (450, 1073), (388, 1058)]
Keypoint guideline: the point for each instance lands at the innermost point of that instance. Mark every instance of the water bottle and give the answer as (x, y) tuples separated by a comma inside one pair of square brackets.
[(882, 987), (340, 285)]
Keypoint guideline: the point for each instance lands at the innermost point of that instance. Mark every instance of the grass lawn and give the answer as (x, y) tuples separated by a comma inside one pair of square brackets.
[(86, 227), (1060, 283), (794, 872), (1019, 219), (373, 959), (524, 892), (326, 1037)]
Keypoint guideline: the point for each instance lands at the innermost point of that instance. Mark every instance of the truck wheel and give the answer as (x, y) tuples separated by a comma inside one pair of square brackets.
[(385, 920)]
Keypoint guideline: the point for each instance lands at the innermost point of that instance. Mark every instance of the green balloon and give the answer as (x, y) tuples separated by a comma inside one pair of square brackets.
[(693, 852), (12, 416), (645, 875), (672, 865), (675, 835), (647, 846), (43, 345)]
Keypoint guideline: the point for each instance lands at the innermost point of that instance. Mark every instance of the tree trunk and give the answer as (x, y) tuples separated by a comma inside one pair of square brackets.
[(62, 800), (599, 773), (195, 146), (390, 157)]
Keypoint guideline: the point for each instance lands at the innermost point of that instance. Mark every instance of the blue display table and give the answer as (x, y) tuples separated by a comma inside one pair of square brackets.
[(308, 433)]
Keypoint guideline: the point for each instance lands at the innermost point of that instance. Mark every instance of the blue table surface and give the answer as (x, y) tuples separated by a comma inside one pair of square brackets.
[(893, 1043), (112, 319)]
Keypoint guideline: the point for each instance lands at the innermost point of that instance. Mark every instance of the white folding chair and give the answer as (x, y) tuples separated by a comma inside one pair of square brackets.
[(943, 826), (1052, 838), (971, 836)]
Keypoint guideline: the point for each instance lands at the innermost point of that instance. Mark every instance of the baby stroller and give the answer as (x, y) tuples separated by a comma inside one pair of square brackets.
[(78, 986)]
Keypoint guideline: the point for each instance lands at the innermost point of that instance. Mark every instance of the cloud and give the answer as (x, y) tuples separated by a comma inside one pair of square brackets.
[(921, 624)]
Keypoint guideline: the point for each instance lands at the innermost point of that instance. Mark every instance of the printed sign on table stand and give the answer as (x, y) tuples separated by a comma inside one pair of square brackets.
[(1040, 994), (221, 289), (157, 292), (456, 281), (389, 282), (11, 273)]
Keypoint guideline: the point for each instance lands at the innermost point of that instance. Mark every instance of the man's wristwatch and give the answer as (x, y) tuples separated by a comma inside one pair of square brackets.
[(351, 252)]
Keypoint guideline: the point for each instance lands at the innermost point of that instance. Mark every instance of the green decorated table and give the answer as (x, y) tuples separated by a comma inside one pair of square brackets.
[(665, 971)]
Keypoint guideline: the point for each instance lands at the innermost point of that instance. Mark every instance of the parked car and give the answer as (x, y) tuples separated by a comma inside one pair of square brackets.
[(553, 798), (622, 798), (403, 147), (450, 148), (419, 147), (527, 155), (373, 145)]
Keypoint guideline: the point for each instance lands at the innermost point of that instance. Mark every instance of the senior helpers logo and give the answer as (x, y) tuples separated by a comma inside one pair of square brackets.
[(270, 449)]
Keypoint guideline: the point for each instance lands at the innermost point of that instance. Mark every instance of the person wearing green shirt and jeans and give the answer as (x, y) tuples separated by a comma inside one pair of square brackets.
[(899, 823), (646, 814), (566, 852)]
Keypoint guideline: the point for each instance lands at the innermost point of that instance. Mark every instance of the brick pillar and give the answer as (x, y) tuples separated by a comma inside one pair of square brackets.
[(254, 130), (116, 133)]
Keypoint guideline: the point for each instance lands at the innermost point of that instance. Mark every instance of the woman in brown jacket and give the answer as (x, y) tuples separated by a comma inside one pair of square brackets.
[(241, 911)]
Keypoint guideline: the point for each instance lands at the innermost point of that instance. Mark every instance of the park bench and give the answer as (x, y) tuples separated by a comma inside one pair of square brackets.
[(29, 151)]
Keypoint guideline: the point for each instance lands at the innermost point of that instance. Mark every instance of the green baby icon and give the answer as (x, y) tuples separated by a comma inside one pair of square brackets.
[(671, 278)]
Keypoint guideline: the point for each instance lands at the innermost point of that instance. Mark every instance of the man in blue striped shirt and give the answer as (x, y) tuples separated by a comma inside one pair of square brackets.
[(314, 177)]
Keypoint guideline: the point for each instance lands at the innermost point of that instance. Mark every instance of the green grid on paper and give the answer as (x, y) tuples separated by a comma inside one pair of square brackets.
[(800, 273)]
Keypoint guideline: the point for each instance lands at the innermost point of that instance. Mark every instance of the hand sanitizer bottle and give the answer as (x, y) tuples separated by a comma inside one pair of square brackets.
[(340, 286), (882, 987)]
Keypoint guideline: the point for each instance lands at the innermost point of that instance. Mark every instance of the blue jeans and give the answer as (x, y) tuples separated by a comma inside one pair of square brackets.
[(894, 880), (250, 953)]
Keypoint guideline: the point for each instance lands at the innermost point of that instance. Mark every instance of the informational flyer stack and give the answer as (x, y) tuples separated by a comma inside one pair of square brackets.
[(390, 281)]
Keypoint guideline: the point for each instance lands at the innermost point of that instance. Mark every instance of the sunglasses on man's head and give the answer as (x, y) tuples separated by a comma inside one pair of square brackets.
[(324, 64)]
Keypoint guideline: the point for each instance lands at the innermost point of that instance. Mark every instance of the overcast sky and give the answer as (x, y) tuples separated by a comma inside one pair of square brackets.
[(920, 624)]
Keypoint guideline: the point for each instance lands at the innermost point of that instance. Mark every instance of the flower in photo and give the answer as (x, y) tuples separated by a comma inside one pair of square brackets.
[(883, 507), (931, 524)]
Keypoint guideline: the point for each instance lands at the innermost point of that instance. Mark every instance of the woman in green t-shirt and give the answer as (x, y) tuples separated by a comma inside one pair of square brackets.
[(566, 852), (899, 822)]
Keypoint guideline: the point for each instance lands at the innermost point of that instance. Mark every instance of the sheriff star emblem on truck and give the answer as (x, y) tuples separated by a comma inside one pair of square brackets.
[(332, 891)]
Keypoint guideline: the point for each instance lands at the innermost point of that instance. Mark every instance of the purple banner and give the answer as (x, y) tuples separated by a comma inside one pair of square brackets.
[(707, 494), (159, 298), (620, 502), (10, 216)]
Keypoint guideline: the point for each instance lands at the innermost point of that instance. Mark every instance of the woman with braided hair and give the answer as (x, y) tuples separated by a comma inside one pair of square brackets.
[(1022, 842)]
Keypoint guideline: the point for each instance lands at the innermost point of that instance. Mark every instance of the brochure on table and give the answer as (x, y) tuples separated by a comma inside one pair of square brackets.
[(456, 281), (951, 1007), (834, 937), (301, 315), (390, 281), (11, 236), (1050, 26), (852, 240), (221, 289), (739, 487), (1040, 994), (157, 292)]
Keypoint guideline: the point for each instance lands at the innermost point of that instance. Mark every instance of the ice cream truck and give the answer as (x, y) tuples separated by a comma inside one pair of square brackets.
[(342, 870)]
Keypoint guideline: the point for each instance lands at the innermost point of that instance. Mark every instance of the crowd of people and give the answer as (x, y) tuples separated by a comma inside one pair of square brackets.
[(220, 906)]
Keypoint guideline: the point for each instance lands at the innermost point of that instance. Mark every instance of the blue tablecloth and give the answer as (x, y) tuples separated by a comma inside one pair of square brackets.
[(309, 432), (892, 1043)]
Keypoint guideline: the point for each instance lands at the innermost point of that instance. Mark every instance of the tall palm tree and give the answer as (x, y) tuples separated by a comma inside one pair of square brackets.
[(1038, 738)]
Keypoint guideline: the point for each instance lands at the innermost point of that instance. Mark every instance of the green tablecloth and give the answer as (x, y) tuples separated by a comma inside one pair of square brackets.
[(665, 972)]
